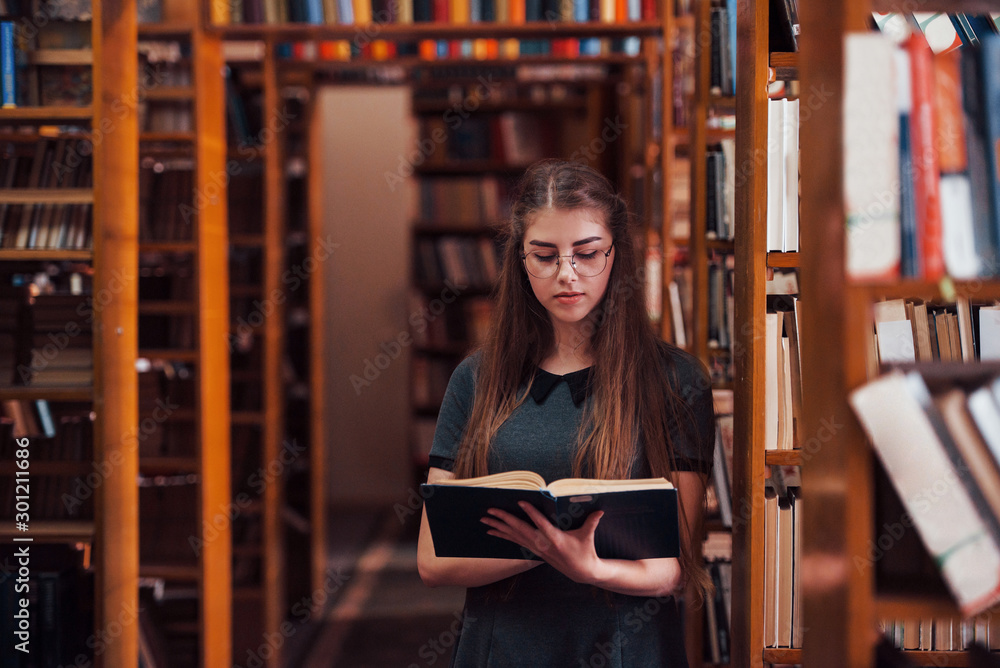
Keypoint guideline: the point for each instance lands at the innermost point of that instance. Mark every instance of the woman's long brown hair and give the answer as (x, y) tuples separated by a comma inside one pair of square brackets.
[(632, 400)]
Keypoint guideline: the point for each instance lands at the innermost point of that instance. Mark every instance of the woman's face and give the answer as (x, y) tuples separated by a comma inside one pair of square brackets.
[(554, 235)]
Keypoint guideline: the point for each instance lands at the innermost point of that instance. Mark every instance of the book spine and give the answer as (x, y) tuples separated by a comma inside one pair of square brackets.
[(990, 52), (7, 76), (871, 158), (925, 162)]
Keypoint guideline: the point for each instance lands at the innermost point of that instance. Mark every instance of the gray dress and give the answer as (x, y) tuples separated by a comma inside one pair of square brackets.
[(540, 618)]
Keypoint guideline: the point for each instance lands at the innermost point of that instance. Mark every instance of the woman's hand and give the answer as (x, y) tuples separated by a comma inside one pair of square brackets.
[(572, 553)]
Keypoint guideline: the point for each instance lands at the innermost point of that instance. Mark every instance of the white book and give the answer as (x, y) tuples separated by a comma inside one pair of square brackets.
[(896, 412), (958, 230), (775, 183), (772, 349), (871, 157), (790, 177), (895, 341), (989, 333)]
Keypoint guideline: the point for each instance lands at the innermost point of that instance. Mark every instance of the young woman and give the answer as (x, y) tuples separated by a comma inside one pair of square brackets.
[(572, 381)]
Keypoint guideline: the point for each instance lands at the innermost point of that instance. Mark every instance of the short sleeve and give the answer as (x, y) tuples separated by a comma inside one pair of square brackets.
[(694, 437), (454, 414)]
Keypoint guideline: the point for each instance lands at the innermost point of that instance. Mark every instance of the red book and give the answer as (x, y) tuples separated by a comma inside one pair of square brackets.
[(926, 167), (648, 10), (948, 113), (440, 12)]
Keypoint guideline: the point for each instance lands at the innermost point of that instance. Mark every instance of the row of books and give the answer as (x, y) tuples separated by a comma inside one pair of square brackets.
[(45, 64), (913, 330), (439, 325), (166, 198), (71, 430), (722, 59), (720, 189), (783, 175), (463, 200), (944, 634), (48, 339), (363, 12), (721, 277), (937, 434), (782, 557), (465, 262), (718, 610), (508, 138), (782, 373), (921, 178), (55, 163)]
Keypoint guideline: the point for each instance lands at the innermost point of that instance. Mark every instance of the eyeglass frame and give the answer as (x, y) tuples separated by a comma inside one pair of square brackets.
[(572, 262)]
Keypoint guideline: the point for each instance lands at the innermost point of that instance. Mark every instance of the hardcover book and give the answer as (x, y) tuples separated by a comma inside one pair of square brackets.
[(639, 522)]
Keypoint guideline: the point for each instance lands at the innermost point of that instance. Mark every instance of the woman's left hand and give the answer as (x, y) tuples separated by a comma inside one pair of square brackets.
[(570, 552)]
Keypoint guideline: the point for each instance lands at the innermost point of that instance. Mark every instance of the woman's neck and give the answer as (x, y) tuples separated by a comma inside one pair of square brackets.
[(570, 353)]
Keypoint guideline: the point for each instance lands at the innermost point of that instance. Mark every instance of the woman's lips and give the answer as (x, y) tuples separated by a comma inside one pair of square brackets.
[(569, 297)]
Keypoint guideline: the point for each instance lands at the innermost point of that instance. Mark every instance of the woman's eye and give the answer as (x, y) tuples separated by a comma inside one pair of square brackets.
[(546, 259), (586, 255)]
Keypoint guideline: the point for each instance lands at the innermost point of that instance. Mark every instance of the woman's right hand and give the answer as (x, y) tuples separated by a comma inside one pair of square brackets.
[(438, 571)]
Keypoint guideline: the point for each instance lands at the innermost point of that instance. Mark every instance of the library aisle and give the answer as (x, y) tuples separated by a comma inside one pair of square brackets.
[(381, 614)]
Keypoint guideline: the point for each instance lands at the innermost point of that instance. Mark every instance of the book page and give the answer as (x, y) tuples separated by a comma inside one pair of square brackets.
[(507, 480), (568, 486)]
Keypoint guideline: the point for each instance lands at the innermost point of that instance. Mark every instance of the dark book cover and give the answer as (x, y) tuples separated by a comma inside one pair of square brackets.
[(637, 524)]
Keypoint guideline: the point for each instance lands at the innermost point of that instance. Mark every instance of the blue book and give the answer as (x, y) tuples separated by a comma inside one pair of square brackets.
[(8, 79), (989, 57), (314, 12), (982, 161)]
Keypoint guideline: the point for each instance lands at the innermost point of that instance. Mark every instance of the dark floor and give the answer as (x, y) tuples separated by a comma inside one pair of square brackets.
[(384, 616)]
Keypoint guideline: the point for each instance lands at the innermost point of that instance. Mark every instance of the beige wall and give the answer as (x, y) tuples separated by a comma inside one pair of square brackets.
[(365, 131)]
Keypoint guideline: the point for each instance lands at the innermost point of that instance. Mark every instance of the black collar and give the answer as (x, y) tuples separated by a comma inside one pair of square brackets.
[(578, 381)]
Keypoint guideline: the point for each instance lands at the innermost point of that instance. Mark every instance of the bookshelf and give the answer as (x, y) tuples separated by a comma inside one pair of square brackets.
[(100, 544), (257, 199), (645, 168), (842, 602), (753, 263), (276, 245), (183, 330)]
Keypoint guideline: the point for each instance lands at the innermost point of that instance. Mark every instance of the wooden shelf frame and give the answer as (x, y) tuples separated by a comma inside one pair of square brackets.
[(750, 459), (210, 567), (435, 30), (116, 181)]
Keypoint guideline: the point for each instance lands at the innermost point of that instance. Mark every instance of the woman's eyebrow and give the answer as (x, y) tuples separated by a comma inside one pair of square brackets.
[(546, 244)]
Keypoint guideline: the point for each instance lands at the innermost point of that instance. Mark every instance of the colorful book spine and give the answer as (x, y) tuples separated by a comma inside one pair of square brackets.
[(7, 71), (925, 159)]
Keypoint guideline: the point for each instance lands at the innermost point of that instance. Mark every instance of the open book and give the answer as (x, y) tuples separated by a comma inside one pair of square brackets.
[(640, 516)]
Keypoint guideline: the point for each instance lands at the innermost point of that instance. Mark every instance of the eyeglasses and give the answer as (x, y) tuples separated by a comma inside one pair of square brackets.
[(545, 264)]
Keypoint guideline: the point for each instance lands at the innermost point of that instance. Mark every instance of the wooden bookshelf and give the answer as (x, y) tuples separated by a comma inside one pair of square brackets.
[(840, 612), (195, 435), (750, 459)]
